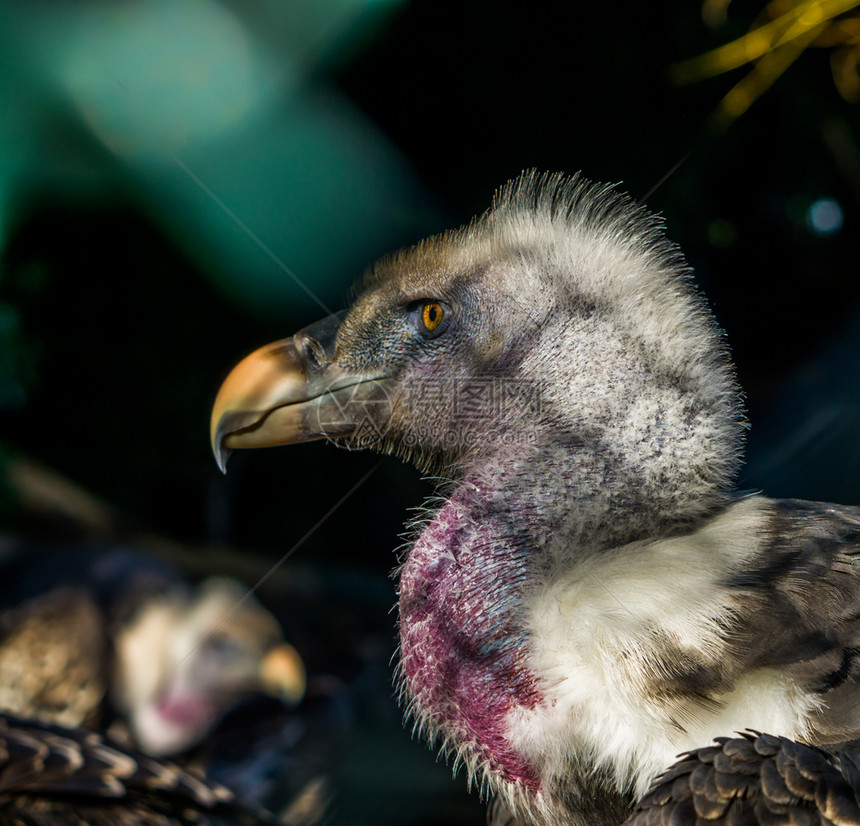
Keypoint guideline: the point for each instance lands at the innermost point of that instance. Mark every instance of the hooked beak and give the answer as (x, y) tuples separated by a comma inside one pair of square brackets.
[(291, 391)]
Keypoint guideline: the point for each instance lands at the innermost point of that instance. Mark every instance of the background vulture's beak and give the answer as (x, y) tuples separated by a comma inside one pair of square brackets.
[(283, 674), (291, 391)]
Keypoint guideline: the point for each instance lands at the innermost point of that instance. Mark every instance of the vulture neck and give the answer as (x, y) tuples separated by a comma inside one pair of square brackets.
[(465, 586), (574, 495)]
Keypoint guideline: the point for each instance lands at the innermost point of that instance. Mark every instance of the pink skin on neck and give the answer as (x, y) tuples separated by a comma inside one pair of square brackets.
[(463, 653)]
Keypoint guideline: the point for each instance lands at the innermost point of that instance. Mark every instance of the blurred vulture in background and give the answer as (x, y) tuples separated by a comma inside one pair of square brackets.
[(125, 641), (184, 658), (116, 642)]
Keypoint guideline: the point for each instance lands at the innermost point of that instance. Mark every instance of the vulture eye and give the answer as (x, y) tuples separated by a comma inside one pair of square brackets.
[(224, 648), (432, 315), (431, 318)]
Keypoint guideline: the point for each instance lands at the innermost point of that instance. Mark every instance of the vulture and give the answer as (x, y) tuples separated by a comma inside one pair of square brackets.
[(125, 644), (588, 596), (183, 661)]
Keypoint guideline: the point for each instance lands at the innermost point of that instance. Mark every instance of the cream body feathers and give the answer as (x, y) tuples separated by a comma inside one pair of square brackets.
[(599, 637)]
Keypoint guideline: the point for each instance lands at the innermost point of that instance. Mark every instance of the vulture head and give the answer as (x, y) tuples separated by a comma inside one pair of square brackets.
[(184, 658), (552, 363), (561, 319)]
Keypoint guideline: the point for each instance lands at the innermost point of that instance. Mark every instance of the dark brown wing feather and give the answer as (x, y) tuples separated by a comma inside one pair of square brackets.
[(800, 604), (804, 586), (753, 780), (72, 777)]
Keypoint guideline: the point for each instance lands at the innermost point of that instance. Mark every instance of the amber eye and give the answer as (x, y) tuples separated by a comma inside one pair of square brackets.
[(429, 318), (432, 315)]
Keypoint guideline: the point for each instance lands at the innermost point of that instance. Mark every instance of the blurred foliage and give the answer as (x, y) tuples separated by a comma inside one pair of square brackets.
[(782, 32), (215, 117), (19, 358)]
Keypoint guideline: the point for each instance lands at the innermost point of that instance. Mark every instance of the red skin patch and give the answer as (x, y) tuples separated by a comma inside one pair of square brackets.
[(463, 651)]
